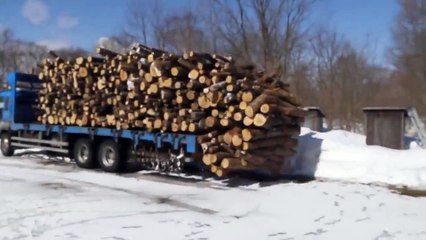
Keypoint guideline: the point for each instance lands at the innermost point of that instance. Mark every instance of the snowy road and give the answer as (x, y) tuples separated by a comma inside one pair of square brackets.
[(41, 200)]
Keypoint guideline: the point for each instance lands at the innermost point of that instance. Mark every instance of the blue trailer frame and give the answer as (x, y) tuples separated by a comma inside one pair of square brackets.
[(17, 116)]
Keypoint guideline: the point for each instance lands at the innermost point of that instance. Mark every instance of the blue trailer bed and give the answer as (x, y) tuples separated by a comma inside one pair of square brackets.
[(175, 139)]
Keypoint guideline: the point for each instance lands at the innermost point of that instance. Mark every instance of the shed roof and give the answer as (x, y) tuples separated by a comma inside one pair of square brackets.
[(385, 109), (313, 108)]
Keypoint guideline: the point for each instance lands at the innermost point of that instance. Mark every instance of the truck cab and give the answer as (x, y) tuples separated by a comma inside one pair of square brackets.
[(18, 96), (17, 99)]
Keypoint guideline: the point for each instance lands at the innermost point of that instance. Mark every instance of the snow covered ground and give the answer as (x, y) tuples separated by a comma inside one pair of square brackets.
[(52, 199), (345, 156), (45, 200)]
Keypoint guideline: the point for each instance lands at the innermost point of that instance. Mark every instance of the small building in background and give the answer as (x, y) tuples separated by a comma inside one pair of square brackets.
[(314, 119), (385, 126)]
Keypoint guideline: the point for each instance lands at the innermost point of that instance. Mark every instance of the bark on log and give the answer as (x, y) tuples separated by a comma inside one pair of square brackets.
[(249, 134)]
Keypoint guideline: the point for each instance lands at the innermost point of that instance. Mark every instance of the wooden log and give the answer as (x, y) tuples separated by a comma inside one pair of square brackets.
[(97, 60), (248, 96), (106, 53), (237, 141), (53, 54), (204, 102), (285, 111), (233, 163), (80, 61), (243, 105), (282, 142), (191, 95), (155, 68), (227, 137), (220, 172), (219, 156), (192, 127), (183, 112), (215, 98), (193, 74), (194, 84), (184, 126), (254, 159), (148, 77), (186, 64), (215, 112), (213, 168), (83, 72), (123, 75), (248, 121), (254, 106), (261, 120), (158, 123), (215, 87), (238, 116), (166, 94), (224, 122), (284, 95), (165, 82), (249, 134), (207, 159), (197, 115), (212, 122), (179, 72), (206, 146)]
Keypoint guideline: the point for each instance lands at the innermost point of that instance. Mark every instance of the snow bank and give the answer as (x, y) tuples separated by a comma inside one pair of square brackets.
[(345, 156)]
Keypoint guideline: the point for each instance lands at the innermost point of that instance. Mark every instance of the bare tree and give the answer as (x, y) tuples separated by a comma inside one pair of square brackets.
[(138, 21), (232, 23), (410, 50), (5, 38), (182, 32), (176, 31), (327, 47), (144, 20), (71, 53), (304, 85), (267, 32), (17, 55), (346, 78)]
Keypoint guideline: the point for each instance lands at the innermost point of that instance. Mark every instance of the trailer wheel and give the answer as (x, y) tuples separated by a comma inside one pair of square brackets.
[(6, 145), (83, 153), (111, 157)]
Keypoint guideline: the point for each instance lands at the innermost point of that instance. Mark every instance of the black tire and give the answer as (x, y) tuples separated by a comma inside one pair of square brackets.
[(111, 156), (84, 153), (6, 147)]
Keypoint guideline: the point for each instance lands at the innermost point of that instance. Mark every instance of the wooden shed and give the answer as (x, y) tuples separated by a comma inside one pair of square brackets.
[(314, 119), (385, 126)]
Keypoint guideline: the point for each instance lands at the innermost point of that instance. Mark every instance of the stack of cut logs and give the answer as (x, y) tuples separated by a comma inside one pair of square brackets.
[(245, 119)]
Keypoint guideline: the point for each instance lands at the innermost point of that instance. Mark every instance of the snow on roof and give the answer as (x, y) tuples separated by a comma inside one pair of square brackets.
[(313, 108)]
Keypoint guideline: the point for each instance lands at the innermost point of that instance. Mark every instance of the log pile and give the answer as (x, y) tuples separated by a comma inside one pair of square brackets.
[(245, 119)]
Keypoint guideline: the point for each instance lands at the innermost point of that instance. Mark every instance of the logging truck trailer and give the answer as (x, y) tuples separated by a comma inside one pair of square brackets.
[(90, 147)]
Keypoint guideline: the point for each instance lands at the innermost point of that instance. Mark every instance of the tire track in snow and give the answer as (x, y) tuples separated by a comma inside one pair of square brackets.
[(64, 166), (87, 220), (158, 199)]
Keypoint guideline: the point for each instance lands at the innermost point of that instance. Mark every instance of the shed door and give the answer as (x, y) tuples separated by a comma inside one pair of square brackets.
[(386, 129)]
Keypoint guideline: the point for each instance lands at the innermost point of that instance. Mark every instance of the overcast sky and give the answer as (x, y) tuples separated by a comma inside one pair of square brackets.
[(80, 23)]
